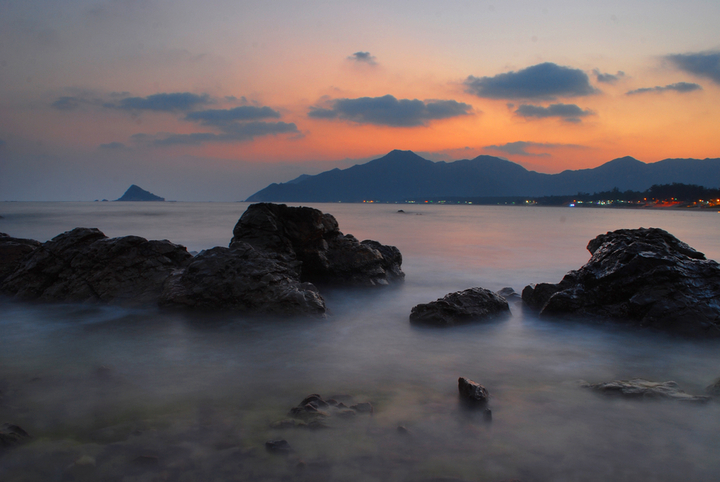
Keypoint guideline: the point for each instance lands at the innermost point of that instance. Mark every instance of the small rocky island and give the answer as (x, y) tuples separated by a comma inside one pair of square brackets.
[(276, 255), (136, 193)]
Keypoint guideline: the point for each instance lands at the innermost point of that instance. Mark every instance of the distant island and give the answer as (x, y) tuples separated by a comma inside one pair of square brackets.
[(136, 193), (403, 176)]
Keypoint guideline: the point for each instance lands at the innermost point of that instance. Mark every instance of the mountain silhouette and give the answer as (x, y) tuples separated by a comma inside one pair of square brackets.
[(403, 175)]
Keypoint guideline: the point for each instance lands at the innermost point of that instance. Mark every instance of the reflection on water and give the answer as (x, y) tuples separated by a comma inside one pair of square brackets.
[(116, 394)]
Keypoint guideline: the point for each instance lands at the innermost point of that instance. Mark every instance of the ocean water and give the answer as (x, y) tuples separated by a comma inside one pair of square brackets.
[(110, 393)]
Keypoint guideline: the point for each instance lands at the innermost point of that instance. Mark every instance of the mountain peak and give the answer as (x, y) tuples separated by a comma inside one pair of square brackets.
[(136, 193)]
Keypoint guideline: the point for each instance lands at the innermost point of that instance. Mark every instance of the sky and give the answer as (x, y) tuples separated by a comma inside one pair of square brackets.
[(214, 100)]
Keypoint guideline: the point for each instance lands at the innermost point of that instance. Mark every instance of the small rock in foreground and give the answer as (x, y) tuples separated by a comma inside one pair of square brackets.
[(472, 391), (473, 304)]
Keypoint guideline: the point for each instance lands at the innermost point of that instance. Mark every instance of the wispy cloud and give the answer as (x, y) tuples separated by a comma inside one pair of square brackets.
[(566, 112), (545, 81), (231, 133), (703, 64), (521, 148), (389, 111), (165, 102), (681, 87), (112, 146), (608, 78), (220, 117)]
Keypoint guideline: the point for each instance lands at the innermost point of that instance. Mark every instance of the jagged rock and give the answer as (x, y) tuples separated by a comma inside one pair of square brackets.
[(644, 389), (642, 276), (84, 265), (12, 435), (12, 251), (278, 446), (509, 294), (473, 304), (472, 391), (313, 238), (243, 279)]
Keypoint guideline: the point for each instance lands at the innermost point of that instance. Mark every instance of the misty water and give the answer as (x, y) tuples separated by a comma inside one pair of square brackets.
[(113, 393)]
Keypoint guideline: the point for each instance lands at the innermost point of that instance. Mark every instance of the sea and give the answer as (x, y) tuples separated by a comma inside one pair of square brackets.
[(141, 394)]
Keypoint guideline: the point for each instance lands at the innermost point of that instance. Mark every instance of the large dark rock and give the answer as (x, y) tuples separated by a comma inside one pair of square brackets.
[(472, 391), (645, 389), (313, 238), (136, 193), (12, 251), (11, 435), (641, 276), (473, 304), (242, 279), (83, 265)]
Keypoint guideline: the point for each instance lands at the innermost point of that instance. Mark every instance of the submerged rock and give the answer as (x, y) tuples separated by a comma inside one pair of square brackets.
[(644, 389), (12, 251), (472, 391), (11, 435), (242, 279), (84, 265), (313, 238), (473, 304), (642, 276)]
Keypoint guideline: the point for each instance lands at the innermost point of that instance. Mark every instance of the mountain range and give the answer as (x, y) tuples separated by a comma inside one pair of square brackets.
[(403, 175)]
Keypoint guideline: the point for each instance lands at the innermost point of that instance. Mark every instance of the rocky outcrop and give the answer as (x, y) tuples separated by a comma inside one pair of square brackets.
[(12, 251), (136, 193), (242, 279), (641, 276), (311, 237), (644, 389), (474, 304), (84, 265), (714, 388), (11, 435)]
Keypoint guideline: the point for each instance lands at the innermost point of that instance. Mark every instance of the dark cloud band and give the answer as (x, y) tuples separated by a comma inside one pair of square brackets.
[(566, 112), (180, 101), (681, 87), (703, 64), (225, 116), (389, 111), (363, 57), (543, 81), (520, 148)]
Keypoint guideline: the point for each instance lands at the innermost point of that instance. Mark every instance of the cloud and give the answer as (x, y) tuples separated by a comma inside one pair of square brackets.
[(224, 116), (545, 81), (389, 111), (363, 58), (681, 87), (112, 146), (179, 101), (67, 103), (231, 133), (566, 112), (520, 148), (608, 78), (703, 64)]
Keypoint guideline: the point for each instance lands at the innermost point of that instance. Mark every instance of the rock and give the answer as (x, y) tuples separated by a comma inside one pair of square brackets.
[(644, 389), (278, 446), (469, 390), (11, 435), (313, 238), (645, 277), (242, 279), (509, 294), (714, 388), (12, 250), (363, 407), (474, 304), (83, 265)]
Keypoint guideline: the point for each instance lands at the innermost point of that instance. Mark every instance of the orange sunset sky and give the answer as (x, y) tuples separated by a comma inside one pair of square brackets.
[(214, 100)]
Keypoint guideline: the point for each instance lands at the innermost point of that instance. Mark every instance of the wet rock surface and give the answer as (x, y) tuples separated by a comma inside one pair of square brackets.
[(645, 389), (473, 304), (84, 265), (645, 277), (11, 435), (314, 412), (242, 279), (313, 238), (472, 391)]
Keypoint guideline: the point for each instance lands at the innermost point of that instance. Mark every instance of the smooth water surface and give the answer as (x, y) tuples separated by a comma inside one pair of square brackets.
[(141, 394)]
